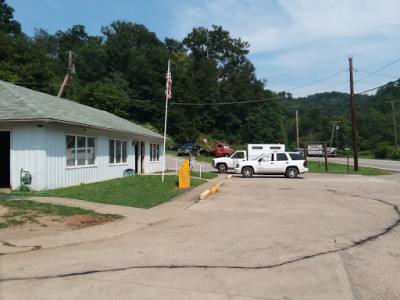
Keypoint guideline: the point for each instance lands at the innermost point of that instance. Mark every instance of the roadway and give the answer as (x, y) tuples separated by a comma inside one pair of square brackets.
[(388, 165)]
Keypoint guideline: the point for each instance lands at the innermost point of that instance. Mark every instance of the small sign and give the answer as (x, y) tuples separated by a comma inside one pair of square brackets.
[(315, 149), (347, 149)]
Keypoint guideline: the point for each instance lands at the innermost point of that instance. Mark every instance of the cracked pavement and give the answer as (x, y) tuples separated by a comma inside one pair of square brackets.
[(316, 237)]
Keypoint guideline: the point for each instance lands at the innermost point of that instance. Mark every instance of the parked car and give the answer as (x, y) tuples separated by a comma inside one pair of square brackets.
[(289, 164), (173, 147), (299, 150), (185, 149), (331, 152), (223, 164)]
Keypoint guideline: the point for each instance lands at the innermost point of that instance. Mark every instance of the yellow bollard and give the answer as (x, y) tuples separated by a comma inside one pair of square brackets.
[(214, 190), (184, 175)]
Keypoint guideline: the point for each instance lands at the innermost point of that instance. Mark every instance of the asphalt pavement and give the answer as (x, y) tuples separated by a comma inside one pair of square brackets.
[(267, 237)]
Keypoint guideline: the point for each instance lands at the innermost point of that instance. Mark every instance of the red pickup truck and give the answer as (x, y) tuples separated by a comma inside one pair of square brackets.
[(220, 150)]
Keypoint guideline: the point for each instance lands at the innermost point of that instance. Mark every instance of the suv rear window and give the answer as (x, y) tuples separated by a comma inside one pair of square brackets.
[(296, 156), (281, 156)]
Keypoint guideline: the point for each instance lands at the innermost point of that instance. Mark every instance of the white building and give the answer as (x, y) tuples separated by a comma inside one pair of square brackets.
[(62, 143)]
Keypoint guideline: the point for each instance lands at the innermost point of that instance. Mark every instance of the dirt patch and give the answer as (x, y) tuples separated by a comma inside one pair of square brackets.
[(49, 225), (82, 221)]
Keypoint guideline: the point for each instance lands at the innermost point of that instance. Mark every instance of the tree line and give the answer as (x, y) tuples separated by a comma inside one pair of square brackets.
[(215, 91)]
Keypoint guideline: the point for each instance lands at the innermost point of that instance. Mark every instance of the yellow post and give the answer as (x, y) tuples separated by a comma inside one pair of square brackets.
[(184, 175)]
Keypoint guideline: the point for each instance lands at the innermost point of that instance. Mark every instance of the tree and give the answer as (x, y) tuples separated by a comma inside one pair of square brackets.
[(221, 73), (105, 96), (73, 39), (142, 58), (314, 125), (265, 125), (90, 60), (7, 24), (216, 45)]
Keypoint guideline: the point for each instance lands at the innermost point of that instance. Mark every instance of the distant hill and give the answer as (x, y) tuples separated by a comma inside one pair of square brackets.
[(374, 117)]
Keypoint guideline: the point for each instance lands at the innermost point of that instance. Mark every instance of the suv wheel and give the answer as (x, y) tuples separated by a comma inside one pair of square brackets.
[(291, 172), (247, 172), (222, 168)]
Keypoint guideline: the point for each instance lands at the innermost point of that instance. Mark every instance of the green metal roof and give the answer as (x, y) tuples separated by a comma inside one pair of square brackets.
[(19, 104)]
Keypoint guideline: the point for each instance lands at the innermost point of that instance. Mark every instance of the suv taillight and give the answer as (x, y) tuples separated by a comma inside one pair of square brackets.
[(305, 164)]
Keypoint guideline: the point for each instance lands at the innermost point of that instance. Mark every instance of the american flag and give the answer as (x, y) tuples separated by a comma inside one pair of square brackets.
[(168, 84)]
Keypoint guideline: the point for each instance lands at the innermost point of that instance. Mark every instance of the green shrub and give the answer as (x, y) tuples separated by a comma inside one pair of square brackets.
[(383, 150)]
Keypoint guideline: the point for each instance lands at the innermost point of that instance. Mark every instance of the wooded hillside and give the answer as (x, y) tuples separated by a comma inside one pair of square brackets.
[(215, 91)]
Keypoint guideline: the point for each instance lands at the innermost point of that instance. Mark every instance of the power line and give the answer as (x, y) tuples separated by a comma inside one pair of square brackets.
[(382, 75), (152, 101), (375, 88), (384, 67), (34, 83), (226, 103), (317, 81), (338, 84), (81, 92)]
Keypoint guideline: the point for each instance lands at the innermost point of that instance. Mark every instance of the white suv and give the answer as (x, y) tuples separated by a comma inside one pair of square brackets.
[(289, 164)]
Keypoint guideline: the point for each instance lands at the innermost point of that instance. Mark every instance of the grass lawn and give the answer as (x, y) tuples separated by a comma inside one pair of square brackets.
[(207, 159), (205, 175), (315, 167), (134, 191), (26, 211)]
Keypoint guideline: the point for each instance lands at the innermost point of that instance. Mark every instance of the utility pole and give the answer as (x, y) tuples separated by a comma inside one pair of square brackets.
[(334, 132), (394, 126), (67, 79), (69, 74), (297, 131), (353, 116)]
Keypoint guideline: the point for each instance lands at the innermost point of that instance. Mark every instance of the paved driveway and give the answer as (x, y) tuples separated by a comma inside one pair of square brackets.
[(316, 237)]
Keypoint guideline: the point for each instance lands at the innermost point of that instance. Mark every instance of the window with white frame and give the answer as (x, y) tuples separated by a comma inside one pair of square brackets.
[(118, 151), (81, 150), (154, 152)]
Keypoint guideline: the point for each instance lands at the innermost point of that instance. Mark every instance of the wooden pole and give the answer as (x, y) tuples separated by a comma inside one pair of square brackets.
[(67, 79), (69, 74), (394, 127), (353, 116)]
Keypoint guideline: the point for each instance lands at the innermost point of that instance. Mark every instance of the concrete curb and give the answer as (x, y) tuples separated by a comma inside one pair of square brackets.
[(214, 190)]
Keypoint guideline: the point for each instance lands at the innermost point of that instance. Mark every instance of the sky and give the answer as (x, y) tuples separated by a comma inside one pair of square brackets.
[(298, 46)]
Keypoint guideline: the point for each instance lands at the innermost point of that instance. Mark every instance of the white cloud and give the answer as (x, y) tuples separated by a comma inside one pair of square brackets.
[(280, 24), (298, 42)]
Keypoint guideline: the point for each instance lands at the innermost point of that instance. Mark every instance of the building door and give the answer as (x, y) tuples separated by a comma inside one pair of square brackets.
[(4, 159), (137, 155), (142, 154)]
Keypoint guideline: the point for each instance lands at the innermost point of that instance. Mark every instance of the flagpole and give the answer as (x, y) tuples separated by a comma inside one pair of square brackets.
[(165, 122)]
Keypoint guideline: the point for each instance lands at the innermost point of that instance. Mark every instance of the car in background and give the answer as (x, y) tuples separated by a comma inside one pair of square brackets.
[(331, 151), (173, 147), (299, 150), (185, 149)]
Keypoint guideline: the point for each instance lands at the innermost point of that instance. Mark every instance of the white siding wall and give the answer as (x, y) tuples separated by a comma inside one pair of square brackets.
[(26, 153), (41, 151), (153, 166)]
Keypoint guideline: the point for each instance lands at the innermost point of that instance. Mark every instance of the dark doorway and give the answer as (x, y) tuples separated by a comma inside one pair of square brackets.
[(137, 145), (4, 159), (142, 158)]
